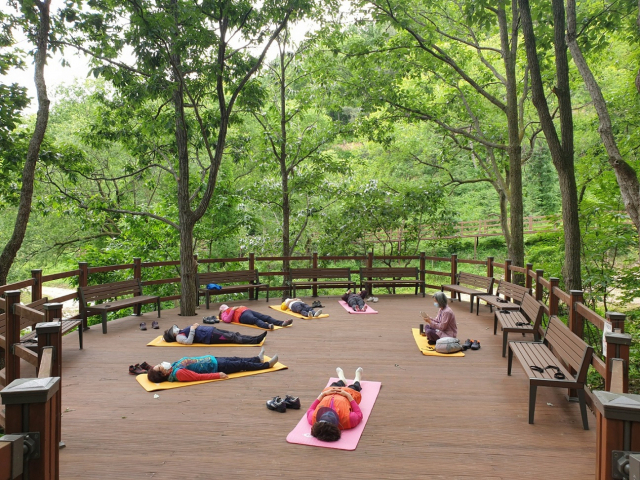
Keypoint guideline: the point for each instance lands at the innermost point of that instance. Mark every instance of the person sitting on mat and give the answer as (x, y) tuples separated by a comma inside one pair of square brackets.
[(444, 325), (298, 306), (191, 369), (250, 317), (197, 333), (356, 300), (336, 409)]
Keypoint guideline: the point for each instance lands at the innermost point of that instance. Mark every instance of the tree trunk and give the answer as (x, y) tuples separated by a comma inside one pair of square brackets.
[(561, 151), (188, 268), (625, 174), (284, 171), (12, 247)]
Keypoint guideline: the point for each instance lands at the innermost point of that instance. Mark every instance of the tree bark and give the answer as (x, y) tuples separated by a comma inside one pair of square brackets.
[(625, 174), (561, 149), (12, 247), (284, 171)]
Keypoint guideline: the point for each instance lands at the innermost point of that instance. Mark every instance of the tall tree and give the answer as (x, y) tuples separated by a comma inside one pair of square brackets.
[(192, 64), (561, 148), (36, 22)]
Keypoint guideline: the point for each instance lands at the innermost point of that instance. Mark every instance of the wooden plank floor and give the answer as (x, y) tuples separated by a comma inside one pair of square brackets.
[(434, 418)]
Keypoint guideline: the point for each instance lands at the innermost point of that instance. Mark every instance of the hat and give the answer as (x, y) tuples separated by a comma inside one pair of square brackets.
[(327, 414), (223, 307)]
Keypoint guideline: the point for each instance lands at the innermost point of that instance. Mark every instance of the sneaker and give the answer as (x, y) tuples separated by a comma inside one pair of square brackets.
[(318, 313), (466, 344), (292, 402), (286, 323), (475, 345), (277, 404), (374, 299)]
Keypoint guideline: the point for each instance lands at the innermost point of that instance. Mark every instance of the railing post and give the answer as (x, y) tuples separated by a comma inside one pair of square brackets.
[(617, 426), (32, 409), (83, 281), (490, 267), (314, 264), (527, 278), (50, 335), (539, 292), (137, 271), (423, 266), (454, 268), (618, 344), (370, 265), (576, 325), (553, 300), (36, 289), (12, 362), (252, 266), (507, 275)]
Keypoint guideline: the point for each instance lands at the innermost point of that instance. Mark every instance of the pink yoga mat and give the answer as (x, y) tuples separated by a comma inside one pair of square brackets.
[(350, 438), (346, 306)]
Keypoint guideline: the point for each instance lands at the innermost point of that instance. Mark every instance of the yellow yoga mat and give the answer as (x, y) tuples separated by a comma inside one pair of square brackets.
[(159, 342), (152, 387), (430, 350), (275, 327), (297, 315)]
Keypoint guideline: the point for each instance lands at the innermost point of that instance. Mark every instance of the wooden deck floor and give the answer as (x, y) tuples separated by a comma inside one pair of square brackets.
[(434, 417)]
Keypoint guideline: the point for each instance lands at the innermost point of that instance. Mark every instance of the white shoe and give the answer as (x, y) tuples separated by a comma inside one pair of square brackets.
[(374, 299), (318, 313)]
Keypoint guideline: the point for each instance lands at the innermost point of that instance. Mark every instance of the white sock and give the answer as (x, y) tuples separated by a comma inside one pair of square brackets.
[(273, 360), (261, 354), (341, 376), (358, 374)]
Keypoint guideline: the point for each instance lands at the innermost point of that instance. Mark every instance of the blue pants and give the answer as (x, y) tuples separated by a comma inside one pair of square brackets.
[(301, 308), (251, 317), (236, 364)]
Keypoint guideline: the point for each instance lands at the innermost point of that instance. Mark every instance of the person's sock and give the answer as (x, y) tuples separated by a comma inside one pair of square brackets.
[(261, 355), (341, 376), (318, 313), (273, 360), (358, 374)]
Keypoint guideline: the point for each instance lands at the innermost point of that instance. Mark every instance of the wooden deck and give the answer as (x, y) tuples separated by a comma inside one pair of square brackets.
[(434, 417)]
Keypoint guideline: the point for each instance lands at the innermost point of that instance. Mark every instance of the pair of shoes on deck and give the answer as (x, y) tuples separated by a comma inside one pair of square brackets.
[(372, 299), (471, 344), (154, 324), (317, 304), (279, 404)]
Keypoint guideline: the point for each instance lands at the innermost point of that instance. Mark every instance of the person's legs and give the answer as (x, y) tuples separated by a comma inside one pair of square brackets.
[(235, 337), (339, 383), (432, 335), (249, 317), (353, 302), (236, 364), (301, 308), (355, 386), (266, 318)]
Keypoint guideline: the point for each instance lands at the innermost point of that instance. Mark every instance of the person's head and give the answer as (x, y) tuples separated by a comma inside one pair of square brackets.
[(440, 299), (223, 307), (159, 373), (326, 427), (170, 334)]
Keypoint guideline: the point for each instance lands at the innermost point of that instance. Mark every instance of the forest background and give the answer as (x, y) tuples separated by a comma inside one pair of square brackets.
[(205, 129)]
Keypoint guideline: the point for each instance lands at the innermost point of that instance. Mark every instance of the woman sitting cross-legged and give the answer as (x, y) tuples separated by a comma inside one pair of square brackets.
[(250, 317), (191, 369), (336, 409), (197, 333), (444, 325)]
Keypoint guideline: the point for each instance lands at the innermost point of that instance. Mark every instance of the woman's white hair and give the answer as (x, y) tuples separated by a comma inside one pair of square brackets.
[(441, 298)]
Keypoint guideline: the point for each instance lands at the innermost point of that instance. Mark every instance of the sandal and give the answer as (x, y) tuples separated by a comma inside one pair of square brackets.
[(146, 366), (136, 370)]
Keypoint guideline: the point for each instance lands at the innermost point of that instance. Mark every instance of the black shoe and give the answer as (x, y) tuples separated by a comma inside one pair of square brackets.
[(431, 342), (475, 345), (277, 404), (210, 320), (292, 402), (466, 344)]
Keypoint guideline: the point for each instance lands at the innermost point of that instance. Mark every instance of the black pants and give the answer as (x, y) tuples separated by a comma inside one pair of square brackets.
[(356, 385), (235, 337), (237, 364)]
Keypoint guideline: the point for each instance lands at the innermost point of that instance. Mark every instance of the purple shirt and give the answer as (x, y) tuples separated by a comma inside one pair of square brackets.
[(445, 323)]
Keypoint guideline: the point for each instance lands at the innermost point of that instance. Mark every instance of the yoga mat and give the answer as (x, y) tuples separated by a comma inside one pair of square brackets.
[(349, 438), (346, 306), (159, 342), (430, 350), (152, 387), (294, 314), (275, 327)]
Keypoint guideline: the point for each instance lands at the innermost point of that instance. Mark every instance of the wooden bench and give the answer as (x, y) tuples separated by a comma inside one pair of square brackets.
[(482, 284), (560, 347), (511, 290), (30, 339), (390, 277), (231, 282), (525, 320), (320, 277), (111, 291)]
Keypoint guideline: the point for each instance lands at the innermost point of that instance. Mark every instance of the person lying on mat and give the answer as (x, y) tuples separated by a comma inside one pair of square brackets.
[(444, 325), (197, 333), (191, 369), (356, 300), (298, 306), (250, 317), (336, 409)]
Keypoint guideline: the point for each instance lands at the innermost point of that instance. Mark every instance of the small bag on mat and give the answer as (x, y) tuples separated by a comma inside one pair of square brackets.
[(448, 345)]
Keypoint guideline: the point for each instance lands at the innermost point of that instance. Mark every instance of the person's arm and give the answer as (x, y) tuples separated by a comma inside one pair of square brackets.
[(184, 340), (355, 417), (312, 410), (185, 375), (227, 315), (445, 321)]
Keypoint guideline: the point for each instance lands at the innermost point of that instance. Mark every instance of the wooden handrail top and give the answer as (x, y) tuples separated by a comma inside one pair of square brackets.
[(590, 315), (565, 297), (110, 268), (58, 276)]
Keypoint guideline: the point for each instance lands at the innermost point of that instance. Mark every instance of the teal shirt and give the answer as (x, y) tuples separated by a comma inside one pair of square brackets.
[(206, 364)]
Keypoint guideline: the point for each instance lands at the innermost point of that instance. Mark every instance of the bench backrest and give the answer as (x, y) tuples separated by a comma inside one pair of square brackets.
[(469, 279), (107, 291), (320, 273), (533, 310), (238, 276), (513, 291), (24, 322), (568, 347), (389, 272)]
